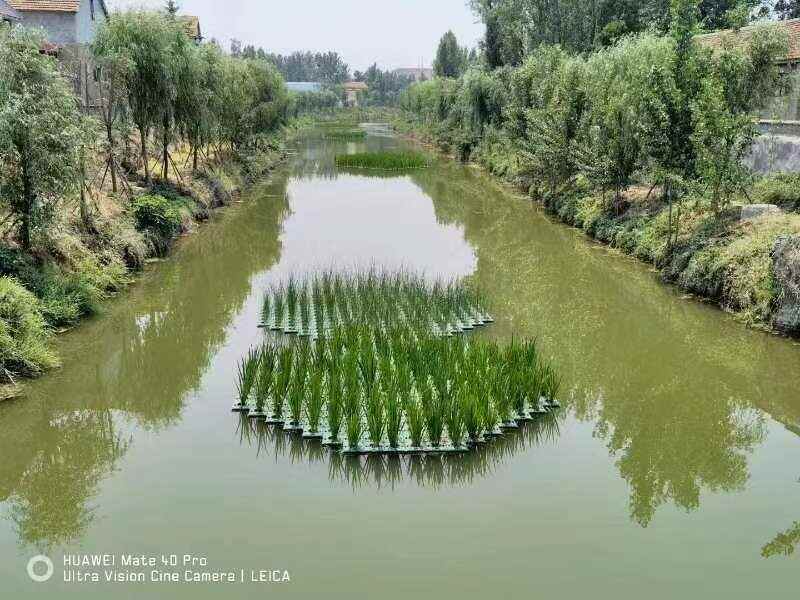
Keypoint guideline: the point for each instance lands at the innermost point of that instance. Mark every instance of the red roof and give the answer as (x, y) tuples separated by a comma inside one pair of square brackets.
[(743, 35), (46, 5)]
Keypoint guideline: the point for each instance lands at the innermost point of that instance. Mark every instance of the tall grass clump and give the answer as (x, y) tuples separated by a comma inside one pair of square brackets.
[(315, 303), (266, 376), (246, 376), (345, 134), (392, 373), (384, 161)]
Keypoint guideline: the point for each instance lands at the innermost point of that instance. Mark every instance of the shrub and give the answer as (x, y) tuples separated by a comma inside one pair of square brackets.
[(23, 333), (157, 215), (782, 189)]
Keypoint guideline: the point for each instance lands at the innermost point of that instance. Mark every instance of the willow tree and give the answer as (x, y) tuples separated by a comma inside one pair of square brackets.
[(200, 116), (145, 39), (40, 133)]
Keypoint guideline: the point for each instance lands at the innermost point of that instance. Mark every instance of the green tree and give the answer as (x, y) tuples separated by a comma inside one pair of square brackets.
[(145, 39), (451, 59), (40, 133)]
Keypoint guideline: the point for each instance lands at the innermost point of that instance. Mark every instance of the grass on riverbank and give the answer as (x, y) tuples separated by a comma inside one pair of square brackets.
[(77, 266), (748, 266), (384, 161)]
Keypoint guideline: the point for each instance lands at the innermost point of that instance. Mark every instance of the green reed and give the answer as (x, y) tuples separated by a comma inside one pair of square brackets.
[(266, 374), (283, 380), (297, 391), (315, 400), (246, 375), (385, 161), (335, 402), (345, 134), (376, 419)]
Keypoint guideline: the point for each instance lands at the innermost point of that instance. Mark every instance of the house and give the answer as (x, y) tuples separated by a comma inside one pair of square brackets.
[(416, 73), (784, 108), (70, 26), (351, 91), (66, 22), (191, 24), (7, 14)]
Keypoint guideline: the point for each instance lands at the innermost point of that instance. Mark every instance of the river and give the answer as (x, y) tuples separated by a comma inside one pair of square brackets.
[(674, 461)]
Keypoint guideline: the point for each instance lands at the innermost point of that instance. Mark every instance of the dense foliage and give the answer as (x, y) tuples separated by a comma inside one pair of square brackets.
[(516, 26), (164, 103), (323, 67), (641, 143)]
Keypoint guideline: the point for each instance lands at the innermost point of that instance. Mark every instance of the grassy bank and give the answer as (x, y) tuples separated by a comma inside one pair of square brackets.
[(68, 278), (747, 265)]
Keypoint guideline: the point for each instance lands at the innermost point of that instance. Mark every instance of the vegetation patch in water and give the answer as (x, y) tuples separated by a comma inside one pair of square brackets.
[(318, 303), (345, 134), (376, 367), (391, 390), (385, 161)]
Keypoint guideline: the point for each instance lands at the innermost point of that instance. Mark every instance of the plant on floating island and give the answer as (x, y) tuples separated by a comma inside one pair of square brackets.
[(283, 381), (315, 400), (384, 161), (246, 375), (345, 134), (297, 391), (335, 403), (266, 375)]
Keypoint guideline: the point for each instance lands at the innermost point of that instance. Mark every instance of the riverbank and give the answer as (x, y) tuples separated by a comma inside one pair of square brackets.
[(89, 258), (746, 258)]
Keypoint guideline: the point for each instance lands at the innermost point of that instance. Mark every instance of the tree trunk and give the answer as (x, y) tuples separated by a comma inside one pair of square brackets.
[(112, 163), (84, 208), (165, 142), (28, 203), (145, 161), (194, 158)]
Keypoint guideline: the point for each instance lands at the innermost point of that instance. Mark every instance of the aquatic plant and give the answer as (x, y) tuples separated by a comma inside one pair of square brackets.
[(386, 161), (315, 400), (335, 403), (246, 375), (454, 417), (345, 134), (393, 406), (376, 421), (389, 366), (283, 379), (298, 388), (266, 374)]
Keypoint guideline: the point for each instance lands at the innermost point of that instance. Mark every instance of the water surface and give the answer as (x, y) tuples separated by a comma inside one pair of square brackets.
[(675, 461)]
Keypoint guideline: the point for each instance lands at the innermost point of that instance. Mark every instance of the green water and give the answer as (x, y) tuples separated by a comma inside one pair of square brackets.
[(675, 460)]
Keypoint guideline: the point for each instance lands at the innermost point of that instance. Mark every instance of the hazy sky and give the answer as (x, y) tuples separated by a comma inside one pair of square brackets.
[(395, 33)]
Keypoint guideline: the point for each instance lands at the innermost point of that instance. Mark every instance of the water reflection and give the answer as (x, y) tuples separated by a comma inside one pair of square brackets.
[(135, 366), (679, 395), (387, 471), (49, 503), (677, 392), (783, 544)]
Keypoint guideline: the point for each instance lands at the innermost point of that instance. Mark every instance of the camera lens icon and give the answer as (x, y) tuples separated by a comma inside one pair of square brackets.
[(35, 568)]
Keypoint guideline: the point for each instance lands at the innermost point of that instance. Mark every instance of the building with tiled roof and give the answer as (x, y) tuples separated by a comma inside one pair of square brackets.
[(191, 24), (741, 37), (65, 22), (785, 106)]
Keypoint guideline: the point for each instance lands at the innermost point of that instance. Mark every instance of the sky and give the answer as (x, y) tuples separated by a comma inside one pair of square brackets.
[(393, 33)]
